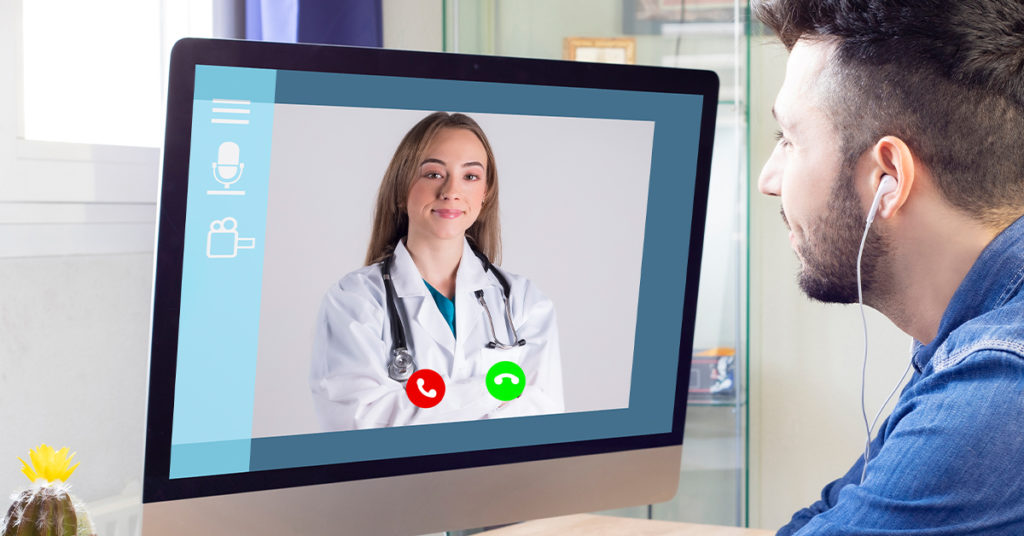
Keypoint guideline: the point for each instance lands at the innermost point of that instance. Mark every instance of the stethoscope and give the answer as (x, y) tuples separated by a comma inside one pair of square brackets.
[(402, 364)]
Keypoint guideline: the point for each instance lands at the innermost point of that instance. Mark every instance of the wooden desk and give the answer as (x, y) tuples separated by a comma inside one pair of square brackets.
[(594, 525)]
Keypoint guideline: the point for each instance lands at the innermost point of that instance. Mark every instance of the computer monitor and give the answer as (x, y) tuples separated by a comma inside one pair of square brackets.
[(279, 401)]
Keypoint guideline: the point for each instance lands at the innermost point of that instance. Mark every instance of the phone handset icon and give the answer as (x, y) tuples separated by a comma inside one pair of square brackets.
[(500, 378), (506, 380), (425, 388), (431, 393)]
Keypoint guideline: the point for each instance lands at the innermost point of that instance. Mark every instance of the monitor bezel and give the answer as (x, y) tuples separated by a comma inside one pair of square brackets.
[(187, 53)]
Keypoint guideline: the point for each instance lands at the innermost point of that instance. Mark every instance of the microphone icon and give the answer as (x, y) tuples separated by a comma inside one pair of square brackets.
[(227, 170)]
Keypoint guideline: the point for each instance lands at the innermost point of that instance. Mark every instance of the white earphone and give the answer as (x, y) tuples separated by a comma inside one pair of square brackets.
[(888, 185)]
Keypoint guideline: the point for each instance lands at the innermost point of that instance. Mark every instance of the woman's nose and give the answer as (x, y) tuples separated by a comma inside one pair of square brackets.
[(450, 189)]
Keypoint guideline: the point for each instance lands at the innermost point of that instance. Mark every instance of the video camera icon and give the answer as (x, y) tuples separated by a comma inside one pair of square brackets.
[(223, 242)]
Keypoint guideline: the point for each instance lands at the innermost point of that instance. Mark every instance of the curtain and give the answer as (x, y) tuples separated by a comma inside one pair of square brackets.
[(336, 22)]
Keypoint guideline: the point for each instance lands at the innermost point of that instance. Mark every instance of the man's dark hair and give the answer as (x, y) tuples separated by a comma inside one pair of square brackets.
[(946, 77)]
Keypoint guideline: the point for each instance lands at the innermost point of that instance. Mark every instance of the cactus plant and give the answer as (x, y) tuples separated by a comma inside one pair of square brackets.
[(46, 507)]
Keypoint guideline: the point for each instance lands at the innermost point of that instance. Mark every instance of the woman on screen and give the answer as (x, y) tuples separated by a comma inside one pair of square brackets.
[(429, 330)]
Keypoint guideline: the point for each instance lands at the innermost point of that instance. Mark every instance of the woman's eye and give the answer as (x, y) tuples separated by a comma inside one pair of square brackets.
[(433, 175), (472, 177)]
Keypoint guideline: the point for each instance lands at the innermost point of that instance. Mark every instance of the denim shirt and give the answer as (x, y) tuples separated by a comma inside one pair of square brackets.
[(949, 460)]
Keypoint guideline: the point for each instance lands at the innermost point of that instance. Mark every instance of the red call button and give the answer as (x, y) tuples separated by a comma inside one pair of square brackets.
[(425, 388)]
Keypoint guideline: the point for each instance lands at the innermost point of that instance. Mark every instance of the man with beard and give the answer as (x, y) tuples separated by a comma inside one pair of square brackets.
[(931, 94)]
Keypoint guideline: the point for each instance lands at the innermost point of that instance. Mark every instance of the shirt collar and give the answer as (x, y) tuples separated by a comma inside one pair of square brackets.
[(405, 275), (408, 281), (992, 281)]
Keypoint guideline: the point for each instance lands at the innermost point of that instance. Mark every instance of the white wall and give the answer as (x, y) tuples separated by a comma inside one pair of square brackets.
[(73, 359), (805, 358)]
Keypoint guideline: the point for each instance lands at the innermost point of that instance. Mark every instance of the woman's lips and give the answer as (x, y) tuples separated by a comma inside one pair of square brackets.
[(448, 213)]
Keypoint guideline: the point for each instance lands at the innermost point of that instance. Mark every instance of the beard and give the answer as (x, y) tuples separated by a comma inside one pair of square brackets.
[(829, 272)]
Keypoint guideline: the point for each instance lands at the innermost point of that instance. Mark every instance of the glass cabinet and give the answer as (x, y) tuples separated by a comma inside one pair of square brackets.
[(700, 34)]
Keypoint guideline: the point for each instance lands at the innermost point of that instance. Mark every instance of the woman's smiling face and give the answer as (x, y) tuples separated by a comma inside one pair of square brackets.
[(447, 193)]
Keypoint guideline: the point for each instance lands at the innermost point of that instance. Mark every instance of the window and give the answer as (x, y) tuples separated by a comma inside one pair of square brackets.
[(82, 118), (95, 72)]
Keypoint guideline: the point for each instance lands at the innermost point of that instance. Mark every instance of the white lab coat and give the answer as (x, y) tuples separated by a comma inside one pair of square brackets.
[(352, 348)]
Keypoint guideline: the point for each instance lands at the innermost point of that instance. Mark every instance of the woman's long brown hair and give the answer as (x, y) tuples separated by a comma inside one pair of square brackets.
[(390, 217)]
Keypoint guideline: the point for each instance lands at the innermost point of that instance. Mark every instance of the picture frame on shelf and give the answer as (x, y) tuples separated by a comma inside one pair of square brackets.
[(600, 49)]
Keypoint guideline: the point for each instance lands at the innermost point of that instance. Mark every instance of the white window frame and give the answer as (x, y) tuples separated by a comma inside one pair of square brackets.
[(60, 199)]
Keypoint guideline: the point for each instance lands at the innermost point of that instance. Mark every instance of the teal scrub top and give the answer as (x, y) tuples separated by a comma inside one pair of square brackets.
[(446, 306)]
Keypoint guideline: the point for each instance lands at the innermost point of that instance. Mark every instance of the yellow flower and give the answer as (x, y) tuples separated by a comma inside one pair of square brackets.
[(48, 464)]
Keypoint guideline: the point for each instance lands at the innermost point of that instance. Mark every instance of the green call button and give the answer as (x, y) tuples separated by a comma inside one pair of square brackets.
[(506, 380)]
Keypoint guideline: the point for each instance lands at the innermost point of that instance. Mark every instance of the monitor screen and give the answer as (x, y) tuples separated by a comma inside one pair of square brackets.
[(374, 263)]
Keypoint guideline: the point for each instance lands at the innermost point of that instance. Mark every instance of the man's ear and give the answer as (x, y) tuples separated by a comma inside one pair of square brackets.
[(891, 156)]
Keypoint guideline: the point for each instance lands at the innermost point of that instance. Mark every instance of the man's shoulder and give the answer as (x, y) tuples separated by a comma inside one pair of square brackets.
[(1000, 330)]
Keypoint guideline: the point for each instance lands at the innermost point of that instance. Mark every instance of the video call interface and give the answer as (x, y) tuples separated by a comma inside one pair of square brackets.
[(286, 353)]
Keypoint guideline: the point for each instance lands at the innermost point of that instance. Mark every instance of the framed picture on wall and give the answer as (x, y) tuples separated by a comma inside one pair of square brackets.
[(600, 50), (647, 17)]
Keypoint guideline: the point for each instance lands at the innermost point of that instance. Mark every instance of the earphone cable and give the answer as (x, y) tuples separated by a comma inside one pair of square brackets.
[(864, 367)]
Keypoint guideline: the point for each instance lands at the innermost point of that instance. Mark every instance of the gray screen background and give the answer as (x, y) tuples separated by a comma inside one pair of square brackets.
[(573, 203)]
